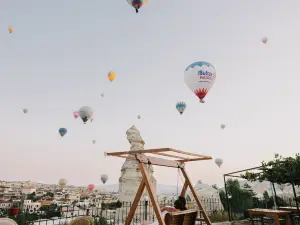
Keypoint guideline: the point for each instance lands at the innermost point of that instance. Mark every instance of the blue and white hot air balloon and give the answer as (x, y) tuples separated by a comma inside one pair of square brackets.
[(62, 131), (200, 77), (180, 106)]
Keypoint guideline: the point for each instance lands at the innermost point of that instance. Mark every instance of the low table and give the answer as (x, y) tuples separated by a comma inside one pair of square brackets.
[(272, 212)]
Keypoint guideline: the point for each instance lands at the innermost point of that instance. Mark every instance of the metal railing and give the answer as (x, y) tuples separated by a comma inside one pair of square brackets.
[(110, 215)]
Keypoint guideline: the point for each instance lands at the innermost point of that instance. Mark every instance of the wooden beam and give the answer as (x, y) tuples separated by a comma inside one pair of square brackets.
[(151, 195), (158, 161), (187, 153), (169, 155), (137, 152), (187, 179), (195, 159), (135, 203)]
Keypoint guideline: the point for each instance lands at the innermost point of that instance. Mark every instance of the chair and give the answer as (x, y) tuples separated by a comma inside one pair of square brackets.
[(267, 220), (295, 218), (255, 220), (186, 217)]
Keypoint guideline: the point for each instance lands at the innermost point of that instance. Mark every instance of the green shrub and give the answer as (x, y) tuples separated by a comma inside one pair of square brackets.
[(100, 221), (112, 205), (219, 216)]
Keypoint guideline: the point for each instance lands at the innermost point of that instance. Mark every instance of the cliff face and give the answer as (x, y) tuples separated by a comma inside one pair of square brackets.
[(131, 177)]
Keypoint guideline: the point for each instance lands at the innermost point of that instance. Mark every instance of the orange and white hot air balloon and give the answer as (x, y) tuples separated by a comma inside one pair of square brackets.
[(111, 76), (10, 29)]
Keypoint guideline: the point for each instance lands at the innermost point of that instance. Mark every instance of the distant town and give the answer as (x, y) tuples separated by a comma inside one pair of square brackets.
[(36, 195)]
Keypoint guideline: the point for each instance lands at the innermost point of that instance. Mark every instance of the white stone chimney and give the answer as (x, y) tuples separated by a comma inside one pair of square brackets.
[(131, 177)]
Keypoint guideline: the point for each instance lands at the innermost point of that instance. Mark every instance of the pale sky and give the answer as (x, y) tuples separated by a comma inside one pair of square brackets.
[(57, 61)]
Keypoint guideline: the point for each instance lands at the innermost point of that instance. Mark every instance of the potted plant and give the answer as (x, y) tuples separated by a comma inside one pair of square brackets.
[(14, 209)]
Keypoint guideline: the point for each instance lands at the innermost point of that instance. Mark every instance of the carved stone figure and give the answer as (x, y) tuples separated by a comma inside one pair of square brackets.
[(130, 174)]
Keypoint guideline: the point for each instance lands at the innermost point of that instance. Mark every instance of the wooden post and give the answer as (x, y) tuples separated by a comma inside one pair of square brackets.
[(151, 195), (187, 180), (184, 189), (135, 202)]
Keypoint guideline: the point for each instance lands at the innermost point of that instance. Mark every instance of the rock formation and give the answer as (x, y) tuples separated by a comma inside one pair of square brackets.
[(209, 197), (130, 174)]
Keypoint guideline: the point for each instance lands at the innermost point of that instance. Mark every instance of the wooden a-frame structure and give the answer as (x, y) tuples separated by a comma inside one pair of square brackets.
[(179, 162)]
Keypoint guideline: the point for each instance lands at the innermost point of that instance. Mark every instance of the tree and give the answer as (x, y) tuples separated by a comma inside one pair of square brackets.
[(50, 194), (215, 186), (280, 170), (188, 198), (249, 189), (31, 196), (266, 196), (241, 199), (52, 210), (74, 202)]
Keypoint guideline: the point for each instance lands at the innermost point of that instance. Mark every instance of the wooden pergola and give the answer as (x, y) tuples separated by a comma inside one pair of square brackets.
[(176, 161)]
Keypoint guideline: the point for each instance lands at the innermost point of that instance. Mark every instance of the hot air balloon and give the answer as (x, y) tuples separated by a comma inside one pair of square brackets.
[(91, 187), (180, 106), (219, 162), (223, 126), (85, 113), (25, 111), (102, 94), (139, 117), (62, 183), (75, 114), (264, 40), (10, 29), (200, 77), (94, 141), (104, 178), (111, 76), (137, 4), (62, 131)]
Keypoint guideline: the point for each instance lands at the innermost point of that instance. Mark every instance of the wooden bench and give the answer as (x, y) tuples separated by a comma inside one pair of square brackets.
[(186, 217)]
